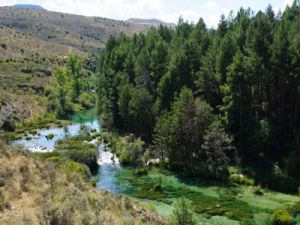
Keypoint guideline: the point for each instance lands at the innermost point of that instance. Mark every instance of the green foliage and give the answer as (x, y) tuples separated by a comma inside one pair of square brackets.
[(49, 136), (60, 98), (87, 100), (241, 179), (141, 171), (258, 190), (74, 65), (93, 182), (129, 150), (78, 151), (281, 217), (70, 167), (68, 92), (185, 89), (182, 214)]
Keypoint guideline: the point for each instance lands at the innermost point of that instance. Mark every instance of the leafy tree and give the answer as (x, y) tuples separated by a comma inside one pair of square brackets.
[(74, 64), (60, 98)]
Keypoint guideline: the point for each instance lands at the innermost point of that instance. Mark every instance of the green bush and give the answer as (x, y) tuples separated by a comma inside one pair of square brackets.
[(281, 217), (258, 190), (78, 168), (86, 156), (49, 136), (56, 159), (141, 171), (129, 150), (182, 214), (87, 100), (79, 151), (241, 179), (93, 182)]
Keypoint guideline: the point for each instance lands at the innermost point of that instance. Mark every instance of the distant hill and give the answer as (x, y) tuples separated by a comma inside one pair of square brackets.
[(86, 34), (151, 22), (28, 6)]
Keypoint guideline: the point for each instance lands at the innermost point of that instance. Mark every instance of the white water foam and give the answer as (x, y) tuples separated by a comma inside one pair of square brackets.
[(107, 158)]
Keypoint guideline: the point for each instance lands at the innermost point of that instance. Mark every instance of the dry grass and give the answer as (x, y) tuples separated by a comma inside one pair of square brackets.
[(37, 193)]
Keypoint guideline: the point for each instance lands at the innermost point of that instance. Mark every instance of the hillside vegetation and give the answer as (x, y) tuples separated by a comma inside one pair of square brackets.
[(36, 192), (33, 43), (74, 31)]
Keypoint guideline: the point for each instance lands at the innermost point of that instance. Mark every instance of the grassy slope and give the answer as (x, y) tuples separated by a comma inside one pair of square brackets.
[(35, 192), (82, 33)]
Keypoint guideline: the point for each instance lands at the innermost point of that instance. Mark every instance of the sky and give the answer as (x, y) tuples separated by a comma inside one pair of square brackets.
[(166, 10)]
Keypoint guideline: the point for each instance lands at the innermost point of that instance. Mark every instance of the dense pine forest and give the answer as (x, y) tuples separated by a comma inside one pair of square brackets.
[(205, 99)]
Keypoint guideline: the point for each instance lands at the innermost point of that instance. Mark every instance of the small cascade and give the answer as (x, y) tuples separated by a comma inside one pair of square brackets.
[(106, 157)]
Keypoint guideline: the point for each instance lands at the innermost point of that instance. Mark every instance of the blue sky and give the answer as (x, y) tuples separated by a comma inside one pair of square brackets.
[(167, 10)]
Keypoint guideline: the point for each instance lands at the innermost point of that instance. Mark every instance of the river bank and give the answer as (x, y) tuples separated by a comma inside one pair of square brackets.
[(213, 203)]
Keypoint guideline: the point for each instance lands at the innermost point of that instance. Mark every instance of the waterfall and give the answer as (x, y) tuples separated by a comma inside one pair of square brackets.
[(106, 157)]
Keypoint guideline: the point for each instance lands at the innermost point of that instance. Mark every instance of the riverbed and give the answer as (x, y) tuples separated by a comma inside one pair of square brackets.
[(213, 203)]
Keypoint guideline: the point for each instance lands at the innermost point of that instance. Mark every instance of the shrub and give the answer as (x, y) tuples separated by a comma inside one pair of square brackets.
[(130, 150), (182, 214), (93, 182), (87, 100), (141, 171), (79, 151), (56, 159), (258, 190), (281, 217), (9, 125), (49, 136), (78, 168), (3, 45), (241, 179), (157, 188)]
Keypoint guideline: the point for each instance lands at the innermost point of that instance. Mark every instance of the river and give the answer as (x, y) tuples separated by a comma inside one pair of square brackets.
[(213, 204)]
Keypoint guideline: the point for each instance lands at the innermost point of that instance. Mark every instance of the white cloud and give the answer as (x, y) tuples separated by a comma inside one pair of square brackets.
[(210, 4), (167, 10)]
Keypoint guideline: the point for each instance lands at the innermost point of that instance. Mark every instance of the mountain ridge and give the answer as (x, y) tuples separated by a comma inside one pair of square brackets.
[(28, 6), (152, 22)]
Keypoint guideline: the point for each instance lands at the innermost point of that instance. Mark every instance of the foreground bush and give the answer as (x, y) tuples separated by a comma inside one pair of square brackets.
[(281, 217), (182, 214)]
